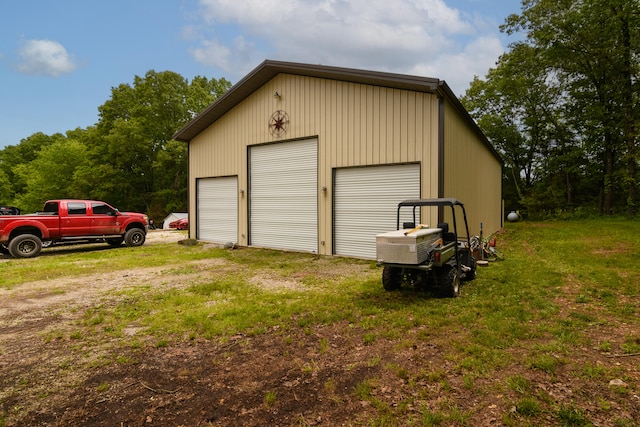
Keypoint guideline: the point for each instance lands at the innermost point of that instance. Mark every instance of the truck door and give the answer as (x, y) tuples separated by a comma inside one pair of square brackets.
[(104, 219), (75, 222)]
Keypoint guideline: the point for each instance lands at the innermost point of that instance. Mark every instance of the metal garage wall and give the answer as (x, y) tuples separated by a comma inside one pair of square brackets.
[(472, 174), (356, 125), (366, 202), (283, 201), (218, 209)]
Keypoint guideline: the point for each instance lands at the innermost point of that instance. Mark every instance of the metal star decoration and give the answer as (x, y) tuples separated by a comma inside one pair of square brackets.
[(278, 123)]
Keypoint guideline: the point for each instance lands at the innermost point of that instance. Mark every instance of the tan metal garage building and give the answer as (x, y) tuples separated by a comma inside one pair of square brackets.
[(316, 158)]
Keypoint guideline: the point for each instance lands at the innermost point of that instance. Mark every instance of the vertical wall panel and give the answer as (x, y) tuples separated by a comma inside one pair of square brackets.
[(472, 174)]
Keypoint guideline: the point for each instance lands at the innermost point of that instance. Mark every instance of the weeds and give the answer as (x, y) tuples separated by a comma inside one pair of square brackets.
[(270, 398)]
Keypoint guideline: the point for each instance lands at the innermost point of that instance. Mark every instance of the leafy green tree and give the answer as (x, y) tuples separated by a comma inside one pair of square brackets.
[(134, 159), (170, 169), (50, 174), (23, 153), (592, 49), (128, 158), (6, 189), (520, 110)]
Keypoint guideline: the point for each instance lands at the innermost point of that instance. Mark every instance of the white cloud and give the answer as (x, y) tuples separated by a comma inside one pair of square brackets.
[(216, 54), (45, 57), (424, 37), (458, 68)]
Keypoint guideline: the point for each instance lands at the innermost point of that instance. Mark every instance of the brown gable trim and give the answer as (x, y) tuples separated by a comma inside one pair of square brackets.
[(269, 69)]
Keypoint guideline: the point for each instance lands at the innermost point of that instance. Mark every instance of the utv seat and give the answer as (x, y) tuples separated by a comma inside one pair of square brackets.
[(447, 236)]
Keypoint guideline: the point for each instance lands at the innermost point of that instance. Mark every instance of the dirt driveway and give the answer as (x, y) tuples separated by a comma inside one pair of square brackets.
[(44, 382), (32, 300)]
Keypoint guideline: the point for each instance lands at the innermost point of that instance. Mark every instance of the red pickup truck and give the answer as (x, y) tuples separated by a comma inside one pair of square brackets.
[(70, 221)]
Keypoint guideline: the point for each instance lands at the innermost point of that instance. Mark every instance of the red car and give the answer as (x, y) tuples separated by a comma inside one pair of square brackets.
[(180, 224)]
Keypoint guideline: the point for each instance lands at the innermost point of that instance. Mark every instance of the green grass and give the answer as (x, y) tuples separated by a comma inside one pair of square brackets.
[(528, 315)]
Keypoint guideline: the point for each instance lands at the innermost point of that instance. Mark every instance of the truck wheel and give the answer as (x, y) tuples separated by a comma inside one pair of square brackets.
[(448, 282), (25, 246), (391, 278), (4, 250), (134, 237)]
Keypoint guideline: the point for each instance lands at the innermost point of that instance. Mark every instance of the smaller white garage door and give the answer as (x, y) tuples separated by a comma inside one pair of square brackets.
[(217, 209), (366, 203)]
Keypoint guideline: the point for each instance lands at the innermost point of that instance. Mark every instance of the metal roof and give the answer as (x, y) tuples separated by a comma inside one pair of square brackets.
[(270, 68)]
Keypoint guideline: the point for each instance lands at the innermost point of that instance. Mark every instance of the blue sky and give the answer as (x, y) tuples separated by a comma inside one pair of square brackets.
[(60, 59)]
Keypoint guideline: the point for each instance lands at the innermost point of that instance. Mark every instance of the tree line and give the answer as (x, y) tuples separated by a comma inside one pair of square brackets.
[(128, 159), (561, 106)]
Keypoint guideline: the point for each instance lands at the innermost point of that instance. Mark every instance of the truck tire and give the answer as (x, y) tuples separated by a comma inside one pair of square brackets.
[(134, 237), (4, 249), (448, 282), (391, 278), (25, 246)]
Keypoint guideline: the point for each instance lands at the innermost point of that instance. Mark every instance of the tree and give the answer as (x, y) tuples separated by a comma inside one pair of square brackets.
[(50, 175), (128, 158), (592, 49), (147, 170), (6, 191), (519, 108), (23, 153), (170, 168)]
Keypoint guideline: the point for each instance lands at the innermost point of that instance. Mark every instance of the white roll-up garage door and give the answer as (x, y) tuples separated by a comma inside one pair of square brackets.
[(366, 202), (217, 209), (283, 195)]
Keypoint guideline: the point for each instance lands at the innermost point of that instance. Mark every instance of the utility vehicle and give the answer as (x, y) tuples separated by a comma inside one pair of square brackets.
[(427, 258)]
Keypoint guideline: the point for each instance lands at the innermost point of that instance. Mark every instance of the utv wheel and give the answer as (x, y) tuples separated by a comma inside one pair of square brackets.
[(391, 278), (134, 237), (25, 246), (449, 282), (116, 241)]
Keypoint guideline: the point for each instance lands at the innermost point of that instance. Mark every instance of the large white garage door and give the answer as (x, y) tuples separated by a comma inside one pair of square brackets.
[(217, 209), (366, 203), (283, 201)]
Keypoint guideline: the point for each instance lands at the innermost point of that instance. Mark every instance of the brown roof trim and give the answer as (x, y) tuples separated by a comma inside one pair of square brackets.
[(269, 69)]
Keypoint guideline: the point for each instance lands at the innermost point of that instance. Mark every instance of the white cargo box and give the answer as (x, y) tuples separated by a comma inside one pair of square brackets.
[(413, 248)]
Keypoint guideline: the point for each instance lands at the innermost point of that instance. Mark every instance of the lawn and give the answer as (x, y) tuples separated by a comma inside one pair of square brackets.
[(169, 334)]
